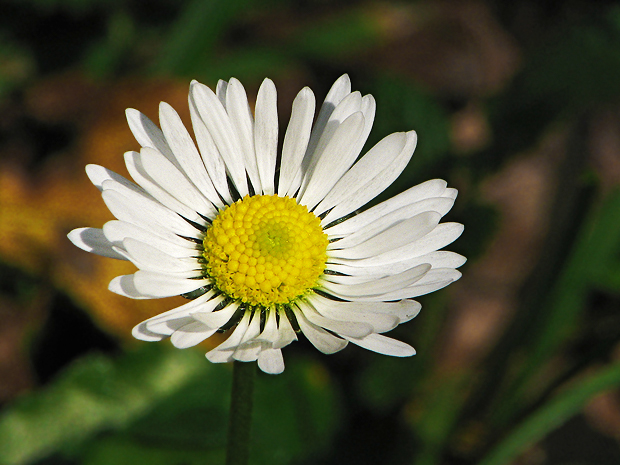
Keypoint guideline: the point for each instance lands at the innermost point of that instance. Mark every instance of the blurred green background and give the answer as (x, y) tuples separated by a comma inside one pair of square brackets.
[(515, 103)]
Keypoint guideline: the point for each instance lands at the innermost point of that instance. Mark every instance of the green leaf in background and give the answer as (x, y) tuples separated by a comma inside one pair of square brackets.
[(194, 34), (403, 106), (193, 417), (339, 36), (442, 401), (119, 449), (16, 65), (576, 71), (433, 400), (553, 414), (104, 58), (250, 64), (595, 250), (388, 381), (74, 6), (295, 414), (95, 394), (604, 267), (164, 405)]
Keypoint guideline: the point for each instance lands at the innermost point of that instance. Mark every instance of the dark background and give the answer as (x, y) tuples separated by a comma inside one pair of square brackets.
[(516, 104)]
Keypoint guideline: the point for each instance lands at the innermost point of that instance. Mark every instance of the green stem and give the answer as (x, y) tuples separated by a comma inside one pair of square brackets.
[(240, 419)]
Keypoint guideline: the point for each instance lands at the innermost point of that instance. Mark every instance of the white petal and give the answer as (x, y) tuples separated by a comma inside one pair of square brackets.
[(253, 329), (185, 153), (384, 345), (242, 124), (141, 333), (218, 318), (220, 91), (140, 210), (319, 338), (248, 352), (438, 275), (398, 235), (133, 161), (443, 259), (368, 108), (286, 333), (438, 259), (339, 90), (421, 289), (296, 142), (404, 293), (355, 279), (223, 353), (165, 285), (404, 310), (349, 105), (161, 323), (436, 279), (271, 361), (364, 182), (451, 193), (147, 133), (442, 235), (440, 205), (124, 285), (357, 312), (266, 135), (380, 157), (147, 257), (270, 333), (249, 347), (98, 174), (167, 327), (376, 287), (337, 157), (218, 123), (410, 309), (166, 175), (213, 162), (157, 262), (433, 188), (191, 334), (117, 231), (348, 328), (94, 241), (165, 324)]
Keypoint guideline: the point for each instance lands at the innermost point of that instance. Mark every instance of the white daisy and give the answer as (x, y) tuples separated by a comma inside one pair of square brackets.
[(268, 246)]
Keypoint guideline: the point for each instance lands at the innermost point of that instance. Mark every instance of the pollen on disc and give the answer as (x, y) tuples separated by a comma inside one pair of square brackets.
[(265, 250)]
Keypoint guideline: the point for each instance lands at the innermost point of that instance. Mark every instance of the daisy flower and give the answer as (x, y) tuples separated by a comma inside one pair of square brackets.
[(268, 245)]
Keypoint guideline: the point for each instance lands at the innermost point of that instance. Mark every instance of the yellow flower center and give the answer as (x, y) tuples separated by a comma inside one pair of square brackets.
[(265, 250)]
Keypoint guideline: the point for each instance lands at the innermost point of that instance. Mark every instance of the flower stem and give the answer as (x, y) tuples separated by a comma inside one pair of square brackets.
[(240, 419)]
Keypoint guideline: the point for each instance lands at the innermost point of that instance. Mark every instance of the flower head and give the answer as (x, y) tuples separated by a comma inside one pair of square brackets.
[(268, 246)]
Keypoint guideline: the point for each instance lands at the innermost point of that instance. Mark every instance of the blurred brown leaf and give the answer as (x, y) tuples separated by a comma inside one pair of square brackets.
[(38, 211), (454, 47)]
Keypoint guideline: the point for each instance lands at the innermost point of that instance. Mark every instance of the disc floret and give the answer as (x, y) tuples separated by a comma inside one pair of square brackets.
[(265, 250)]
